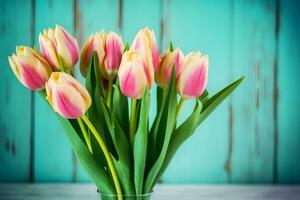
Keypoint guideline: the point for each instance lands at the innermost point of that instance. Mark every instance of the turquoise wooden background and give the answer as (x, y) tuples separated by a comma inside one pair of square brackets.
[(253, 137)]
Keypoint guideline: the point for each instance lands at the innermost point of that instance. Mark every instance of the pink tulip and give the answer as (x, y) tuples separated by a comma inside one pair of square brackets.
[(95, 43), (59, 48), (145, 42), (170, 59), (67, 96), (133, 81), (30, 67), (113, 55), (193, 78)]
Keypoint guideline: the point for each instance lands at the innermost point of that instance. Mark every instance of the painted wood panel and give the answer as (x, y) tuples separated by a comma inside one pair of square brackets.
[(53, 157), (15, 115), (202, 26), (288, 99), (253, 54)]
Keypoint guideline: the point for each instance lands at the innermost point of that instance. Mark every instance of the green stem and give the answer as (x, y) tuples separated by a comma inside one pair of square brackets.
[(108, 100), (62, 67), (132, 118), (178, 108), (106, 155), (85, 135)]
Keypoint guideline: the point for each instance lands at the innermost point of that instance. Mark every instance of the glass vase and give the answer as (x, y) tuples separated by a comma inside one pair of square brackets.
[(103, 196)]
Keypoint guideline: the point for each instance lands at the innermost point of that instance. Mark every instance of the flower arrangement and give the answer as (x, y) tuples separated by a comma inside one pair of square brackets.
[(122, 152)]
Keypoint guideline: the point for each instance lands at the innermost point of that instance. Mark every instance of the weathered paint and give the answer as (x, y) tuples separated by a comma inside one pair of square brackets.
[(253, 47), (289, 98), (15, 99), (53, 154)]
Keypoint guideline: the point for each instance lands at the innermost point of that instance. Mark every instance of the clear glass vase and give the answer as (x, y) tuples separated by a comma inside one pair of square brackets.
[(103, 196)]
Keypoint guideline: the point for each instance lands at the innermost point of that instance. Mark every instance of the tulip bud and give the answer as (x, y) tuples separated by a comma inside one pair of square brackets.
[(150, 42), (145, 42), (59, 48), (67, 96), (170, 59), (30, 67), (193, 78), (95, 42), (132, 77), (113, 55)]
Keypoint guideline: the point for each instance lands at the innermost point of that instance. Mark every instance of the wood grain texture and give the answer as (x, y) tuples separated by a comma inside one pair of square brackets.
[(254, 57), (202, 26), (15, 115), (288, 100), (168, 192), (52, 152)]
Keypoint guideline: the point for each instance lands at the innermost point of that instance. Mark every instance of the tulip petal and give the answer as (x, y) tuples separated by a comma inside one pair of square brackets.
[(14, 67), (195, 83), (70, 80), (168, 61), (132, 77), (31, 78), (193, 79), (67, 96), (67, 47), (113, 50), (49, 51), (85, 55), (67, 101)]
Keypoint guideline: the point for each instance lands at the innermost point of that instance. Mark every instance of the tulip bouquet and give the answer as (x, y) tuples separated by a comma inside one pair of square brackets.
[(107, 121)]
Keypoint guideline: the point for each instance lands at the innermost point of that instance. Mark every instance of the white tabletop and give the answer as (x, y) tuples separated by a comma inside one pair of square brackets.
[(174, 192)]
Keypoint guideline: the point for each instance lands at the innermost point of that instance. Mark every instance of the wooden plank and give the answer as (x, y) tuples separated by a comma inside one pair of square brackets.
[(137, 15), (253, 55), (201, 26), (174, 192), (15, 99), (288, 102), (91, 17), (52, 152)]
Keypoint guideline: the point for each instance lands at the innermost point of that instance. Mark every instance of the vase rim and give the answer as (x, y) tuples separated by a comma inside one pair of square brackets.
[(126, 195)]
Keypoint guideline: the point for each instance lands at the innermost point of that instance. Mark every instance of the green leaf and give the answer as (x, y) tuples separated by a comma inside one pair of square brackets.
[(159, 97), (188, 127), (86, 159), (213, 102), (151, 154), (121, 144), (127, 46), (95, 114), (120, 108), (166, 126), (185, 130), (204, 96), (124, 163), (140, 144)]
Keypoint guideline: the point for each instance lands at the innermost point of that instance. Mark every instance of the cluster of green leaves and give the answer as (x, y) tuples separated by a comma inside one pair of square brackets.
[(140, 163)]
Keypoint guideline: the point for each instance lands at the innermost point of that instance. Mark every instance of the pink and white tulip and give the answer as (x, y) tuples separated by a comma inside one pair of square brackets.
[(145, 42), (132, 77), (168, 61), (30, 67), (67, 96), (193, 78), (59, 48), (95, 43), (113, 55)]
